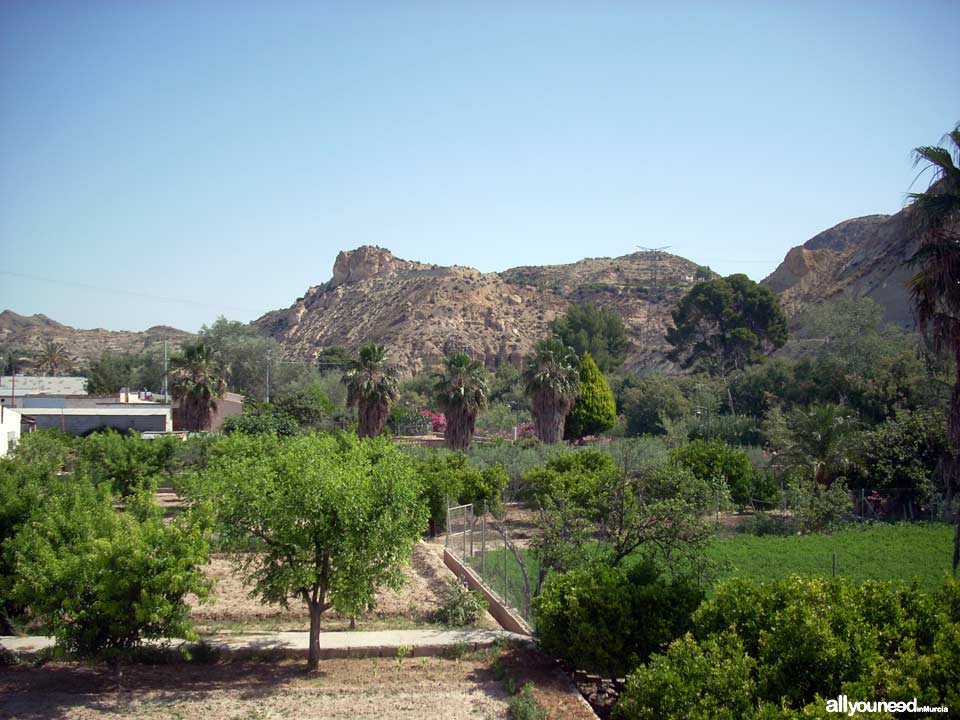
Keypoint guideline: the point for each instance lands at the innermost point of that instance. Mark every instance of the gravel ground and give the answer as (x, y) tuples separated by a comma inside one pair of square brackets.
[(412, 606)]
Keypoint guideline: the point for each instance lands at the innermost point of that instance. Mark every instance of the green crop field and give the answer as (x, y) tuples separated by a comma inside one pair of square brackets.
[(897, 552)]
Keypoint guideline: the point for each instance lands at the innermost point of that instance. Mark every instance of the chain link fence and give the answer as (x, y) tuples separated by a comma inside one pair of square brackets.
[(495, 547)]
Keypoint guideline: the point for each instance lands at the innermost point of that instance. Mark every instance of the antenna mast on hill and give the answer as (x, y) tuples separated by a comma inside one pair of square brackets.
[(655, 252)]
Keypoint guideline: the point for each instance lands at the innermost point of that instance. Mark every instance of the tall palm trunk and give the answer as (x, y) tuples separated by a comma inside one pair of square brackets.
[(550, 412), (461, 421)]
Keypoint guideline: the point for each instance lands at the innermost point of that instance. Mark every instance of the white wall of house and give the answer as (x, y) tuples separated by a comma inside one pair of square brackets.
[(9, 429)]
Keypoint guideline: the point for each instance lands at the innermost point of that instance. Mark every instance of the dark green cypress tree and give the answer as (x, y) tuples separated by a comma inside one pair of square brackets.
[(595, 409)]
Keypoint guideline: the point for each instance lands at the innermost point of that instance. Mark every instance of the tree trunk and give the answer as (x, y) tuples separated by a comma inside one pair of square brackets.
[(313, 661), (459, 431), (550, 415)]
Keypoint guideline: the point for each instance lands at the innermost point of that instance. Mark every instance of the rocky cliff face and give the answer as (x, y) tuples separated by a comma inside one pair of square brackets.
[(30, 333), (423, 312), (863, 257)]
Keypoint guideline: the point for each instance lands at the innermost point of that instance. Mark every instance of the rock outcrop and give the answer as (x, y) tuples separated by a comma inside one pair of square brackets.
[(425, 311), (863, 257)]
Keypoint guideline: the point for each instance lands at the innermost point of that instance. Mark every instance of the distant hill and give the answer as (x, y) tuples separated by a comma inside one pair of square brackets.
[(862, 257), (30, 333), (424, 311)]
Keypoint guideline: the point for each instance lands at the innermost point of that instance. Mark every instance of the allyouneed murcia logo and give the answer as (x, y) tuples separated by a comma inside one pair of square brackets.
[(843, 704)]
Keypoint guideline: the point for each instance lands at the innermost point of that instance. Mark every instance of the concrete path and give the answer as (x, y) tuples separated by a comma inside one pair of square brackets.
[(377, 643)]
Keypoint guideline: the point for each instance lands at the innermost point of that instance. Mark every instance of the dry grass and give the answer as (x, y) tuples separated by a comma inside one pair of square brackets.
[(376, 688), (234, 610)]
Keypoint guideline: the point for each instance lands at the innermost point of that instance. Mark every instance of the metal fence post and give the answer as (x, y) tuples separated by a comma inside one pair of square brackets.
[(483, 537), (505, 557), (446, 537), (472, 521)]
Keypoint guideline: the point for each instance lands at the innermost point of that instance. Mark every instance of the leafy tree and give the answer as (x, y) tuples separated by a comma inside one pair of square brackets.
[(335, 518), (598, 330), (13, 360), (306, 403), (725, 324), (110, 372), (552, 380), (507, 384), (333, 357), (906, 451), (251, 362), (935, 288), (372, 387), (52, 359), (103, 580), (196, 380), (594, 410), (712, 460), (126, 463), (651, 402), (460, 392), (610, 619)]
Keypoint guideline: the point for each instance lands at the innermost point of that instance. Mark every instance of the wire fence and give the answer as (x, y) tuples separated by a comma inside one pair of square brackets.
[(495, 547)]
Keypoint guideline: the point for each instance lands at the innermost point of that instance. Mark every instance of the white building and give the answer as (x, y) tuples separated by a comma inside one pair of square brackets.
[(9, 429)]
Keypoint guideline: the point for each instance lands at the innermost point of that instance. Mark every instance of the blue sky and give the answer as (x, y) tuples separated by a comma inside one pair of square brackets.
[(168, 162)]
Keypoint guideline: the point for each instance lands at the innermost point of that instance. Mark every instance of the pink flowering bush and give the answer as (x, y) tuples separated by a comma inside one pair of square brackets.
[(438, 421)]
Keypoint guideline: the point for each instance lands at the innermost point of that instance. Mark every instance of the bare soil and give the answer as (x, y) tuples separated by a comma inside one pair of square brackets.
[(470, 687), (233, 609)]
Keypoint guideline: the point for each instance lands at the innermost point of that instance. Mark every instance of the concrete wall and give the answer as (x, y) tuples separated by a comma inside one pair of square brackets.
[(508, 619), (9, 429), (79, 421)]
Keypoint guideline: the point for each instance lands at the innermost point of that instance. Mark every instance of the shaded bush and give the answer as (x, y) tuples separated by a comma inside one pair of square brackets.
[(609, 619)]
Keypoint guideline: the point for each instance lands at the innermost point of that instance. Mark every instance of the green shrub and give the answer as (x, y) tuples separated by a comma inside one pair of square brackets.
[(777, 650), (710, 460), (608, 619), (524, 706), (762, 524), (260, 422), (103, 580), (460, 606), (127, 462), (818, 507), (651, 402)]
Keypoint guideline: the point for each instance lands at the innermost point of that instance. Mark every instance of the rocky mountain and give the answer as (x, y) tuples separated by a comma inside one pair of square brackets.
[(425, 311), (30, 333), (863, 257)]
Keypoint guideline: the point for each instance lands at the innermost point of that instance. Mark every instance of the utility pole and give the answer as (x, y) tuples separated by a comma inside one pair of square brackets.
[(166, 398), (268, 378)]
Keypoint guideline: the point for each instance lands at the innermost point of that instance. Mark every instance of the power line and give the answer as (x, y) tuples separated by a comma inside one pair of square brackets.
[(132, 293)]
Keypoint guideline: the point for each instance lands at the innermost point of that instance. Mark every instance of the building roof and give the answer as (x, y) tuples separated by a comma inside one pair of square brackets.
[(42, 385), (121, 410)]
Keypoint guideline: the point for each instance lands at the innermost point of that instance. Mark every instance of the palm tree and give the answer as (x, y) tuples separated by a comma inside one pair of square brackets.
[(935, 288), (372, 387), (552, 378), (460, 393), (52, 359), (822, 437), (196, 381)]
